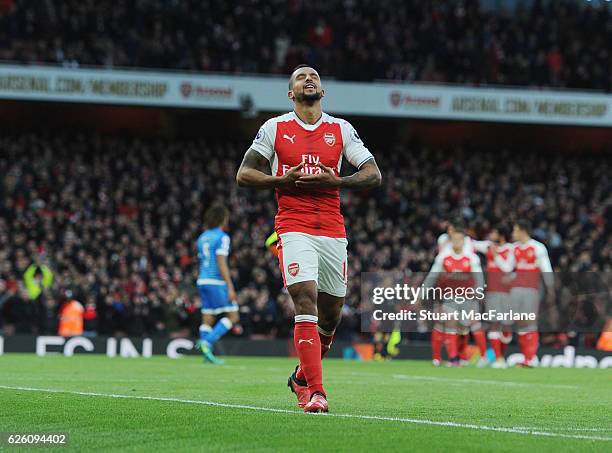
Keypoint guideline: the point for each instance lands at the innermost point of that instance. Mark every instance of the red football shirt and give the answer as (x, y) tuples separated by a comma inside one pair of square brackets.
[(496, 278), (286, 141), (530, 262), (452, 270)]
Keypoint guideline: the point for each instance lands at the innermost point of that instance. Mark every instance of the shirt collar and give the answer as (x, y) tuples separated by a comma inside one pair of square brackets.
[(308, 127)]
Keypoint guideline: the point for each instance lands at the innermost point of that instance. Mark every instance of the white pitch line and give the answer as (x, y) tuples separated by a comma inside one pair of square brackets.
[(481, 381), (524, 431), (602, 430)]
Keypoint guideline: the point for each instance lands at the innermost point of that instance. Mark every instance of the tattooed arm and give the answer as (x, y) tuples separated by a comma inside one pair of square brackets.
[(367, 177), (250, 173)]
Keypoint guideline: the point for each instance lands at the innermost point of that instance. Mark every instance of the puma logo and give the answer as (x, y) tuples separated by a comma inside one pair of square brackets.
[(289, 138), (309, 341)]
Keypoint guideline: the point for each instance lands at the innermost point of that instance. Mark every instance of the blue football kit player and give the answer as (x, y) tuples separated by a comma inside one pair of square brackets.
[(214, 282)]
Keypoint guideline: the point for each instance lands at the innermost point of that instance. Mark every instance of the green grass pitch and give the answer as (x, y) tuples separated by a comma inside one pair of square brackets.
[(159, 404)]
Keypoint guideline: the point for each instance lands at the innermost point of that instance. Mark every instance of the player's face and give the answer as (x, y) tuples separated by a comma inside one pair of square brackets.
[(306, 86), (517, 233), (494, 236), (457, 241)]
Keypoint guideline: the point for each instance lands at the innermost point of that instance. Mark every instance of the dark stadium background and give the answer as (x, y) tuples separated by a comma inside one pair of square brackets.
[(112, 197)]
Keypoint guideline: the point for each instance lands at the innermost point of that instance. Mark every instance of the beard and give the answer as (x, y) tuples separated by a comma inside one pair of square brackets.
[(308, 98)]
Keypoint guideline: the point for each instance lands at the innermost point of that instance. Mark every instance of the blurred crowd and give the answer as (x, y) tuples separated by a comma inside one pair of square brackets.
[(112, 222), (559, 43)]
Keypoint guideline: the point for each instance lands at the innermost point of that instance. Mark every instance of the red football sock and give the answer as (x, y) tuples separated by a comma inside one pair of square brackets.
[(451, 345), (326, 342), (496, 344), (308, 347), (462, 346), (481, 342), (437, 338), (533, 340)]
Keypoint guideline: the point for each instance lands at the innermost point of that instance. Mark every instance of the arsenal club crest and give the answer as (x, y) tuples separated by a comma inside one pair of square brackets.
[(293, 269), (329, 138)]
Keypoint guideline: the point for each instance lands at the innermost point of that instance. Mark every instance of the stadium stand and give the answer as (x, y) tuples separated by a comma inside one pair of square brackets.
[(544, 44), (115, 220)]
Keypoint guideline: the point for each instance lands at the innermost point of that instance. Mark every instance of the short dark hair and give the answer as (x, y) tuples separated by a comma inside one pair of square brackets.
[(502, 230), (458, 223), (460, 228), (524, 225), (303, 65), (215, 216)]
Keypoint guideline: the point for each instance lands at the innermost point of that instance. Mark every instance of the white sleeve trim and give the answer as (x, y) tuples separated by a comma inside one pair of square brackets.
[(260, 151), (364, 161)]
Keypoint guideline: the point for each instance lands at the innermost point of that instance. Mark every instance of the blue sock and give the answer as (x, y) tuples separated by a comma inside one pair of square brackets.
[(205, 331), (220, 329)]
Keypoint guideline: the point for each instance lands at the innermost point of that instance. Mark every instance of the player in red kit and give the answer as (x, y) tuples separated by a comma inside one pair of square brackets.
[(498, 288), (530, 263), (457, 269), (470, 246), (303, 152)]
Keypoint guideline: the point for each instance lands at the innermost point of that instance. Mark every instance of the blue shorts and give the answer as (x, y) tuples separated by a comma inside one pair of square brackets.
[(214, 299)]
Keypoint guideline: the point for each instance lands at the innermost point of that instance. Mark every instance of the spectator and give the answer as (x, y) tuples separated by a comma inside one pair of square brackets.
[(48, 316), (19, 313), (559, 43), (138, 265), (70, 317), (90, 318), (262, 316), (37, 278)]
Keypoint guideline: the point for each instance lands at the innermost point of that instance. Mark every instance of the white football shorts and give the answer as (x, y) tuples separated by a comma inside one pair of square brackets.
[(304, 257)]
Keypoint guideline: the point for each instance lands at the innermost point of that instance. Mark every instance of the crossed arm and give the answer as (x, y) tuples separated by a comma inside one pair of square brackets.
[(250, 174), (254, 172), (366, 177)]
